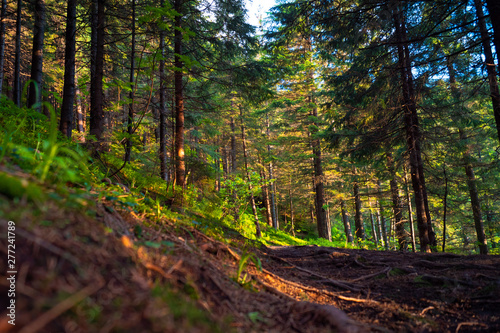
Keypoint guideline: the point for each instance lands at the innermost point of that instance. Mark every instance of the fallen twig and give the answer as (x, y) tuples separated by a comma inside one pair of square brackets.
[(62, 307)]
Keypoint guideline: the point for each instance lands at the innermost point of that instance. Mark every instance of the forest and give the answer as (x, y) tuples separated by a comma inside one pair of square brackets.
[(165, 166)]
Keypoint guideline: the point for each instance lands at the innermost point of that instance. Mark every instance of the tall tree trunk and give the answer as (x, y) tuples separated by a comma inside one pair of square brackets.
[(66, 124), (131, 95), (35, 87), (96, 127), (494, 9), (272, 191), (319, 187), (490, 63), (397, 205), (233, 142), (17, 62), (382, 218), (358, 220), (374, 229), (2, 43), (445, 206), (469, 171), (162, 109), (80, 112), (410, 212), (265, 194), (250, 187), (345, 220), (426, 233), (291, 208), (180, 170)]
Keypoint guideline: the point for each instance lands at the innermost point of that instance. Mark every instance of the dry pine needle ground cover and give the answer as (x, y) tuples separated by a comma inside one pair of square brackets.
[(82, 274)]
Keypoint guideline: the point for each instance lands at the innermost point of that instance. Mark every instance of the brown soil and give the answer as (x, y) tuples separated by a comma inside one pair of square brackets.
[(73, 276)]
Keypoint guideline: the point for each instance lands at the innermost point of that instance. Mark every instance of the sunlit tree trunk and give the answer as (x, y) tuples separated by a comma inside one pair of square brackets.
[(17, 62), (413, 136), (162, 108), (2, 42), (180, 170), (469, 171), (131, 96), (410, 211), (489, 61), (249, 180), (66, 123), (96, 127), (397, 205), (35, 87), (345, 220), (272, 190), (358, 220)]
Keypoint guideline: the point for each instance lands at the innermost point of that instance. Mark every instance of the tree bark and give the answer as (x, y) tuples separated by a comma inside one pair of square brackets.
[(17, 62), (413, 137), (490, 63), (494, 10), (469, 171), (272, 191), (397, 205), (35, 86), (180, 169), (358, 220), (445, 206), (249, 180), (66, 123), (96, 125), (345, 220), (131, 95), (410, 213), (162, 109), (2, 43)]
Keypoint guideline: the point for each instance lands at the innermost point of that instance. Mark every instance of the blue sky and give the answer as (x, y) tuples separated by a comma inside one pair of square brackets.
[(258, 8)]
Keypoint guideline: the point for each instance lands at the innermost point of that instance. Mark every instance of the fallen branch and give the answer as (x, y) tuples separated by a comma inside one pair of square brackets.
[(384, 271), (62, 307)]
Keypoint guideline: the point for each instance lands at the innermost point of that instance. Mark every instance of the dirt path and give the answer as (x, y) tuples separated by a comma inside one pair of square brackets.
[(394, 291)]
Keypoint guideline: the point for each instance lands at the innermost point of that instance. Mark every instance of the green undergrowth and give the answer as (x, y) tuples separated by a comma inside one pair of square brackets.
[(63, 170)]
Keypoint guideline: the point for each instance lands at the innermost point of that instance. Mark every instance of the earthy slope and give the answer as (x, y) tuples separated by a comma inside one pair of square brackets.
[(110, 273)]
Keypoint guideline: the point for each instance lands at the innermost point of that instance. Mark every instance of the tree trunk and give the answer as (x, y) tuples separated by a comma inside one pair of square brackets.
[(180, 170), (233, 142), (397, 206), (265, 195), (2, 43), (17, 62), (494, 10), (358, 221), (131, 95), (97, 70), (163, 111), (319, 188), (250, 187), (410, 212), (490, 62), (469, 171), (66, 124), (345, 220), (445, 206), (274, 214), (413, 136), (382, 219), (291, 209), (35, 86)]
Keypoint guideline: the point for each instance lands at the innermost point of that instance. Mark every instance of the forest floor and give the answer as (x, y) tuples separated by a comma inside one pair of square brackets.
[(111, 273)]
